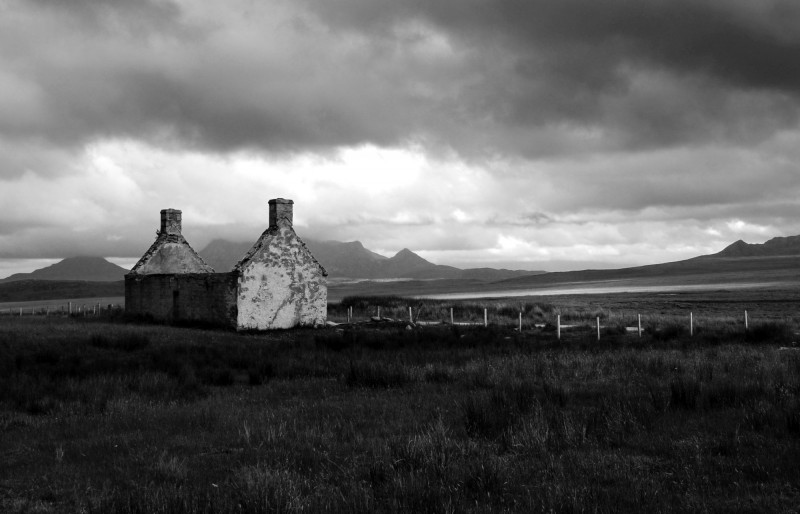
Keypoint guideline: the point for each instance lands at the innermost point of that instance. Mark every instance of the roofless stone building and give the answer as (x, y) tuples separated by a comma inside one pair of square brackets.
[(277, 284)]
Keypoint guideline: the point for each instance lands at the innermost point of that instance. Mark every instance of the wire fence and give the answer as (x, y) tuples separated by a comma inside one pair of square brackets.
[(524, 320), (624, 322), (65, 309)]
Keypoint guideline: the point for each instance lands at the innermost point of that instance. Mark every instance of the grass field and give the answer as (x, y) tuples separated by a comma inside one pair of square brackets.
[(104, 415)]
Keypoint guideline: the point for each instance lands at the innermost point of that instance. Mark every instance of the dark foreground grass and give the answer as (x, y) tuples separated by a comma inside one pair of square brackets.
[(111, 417)]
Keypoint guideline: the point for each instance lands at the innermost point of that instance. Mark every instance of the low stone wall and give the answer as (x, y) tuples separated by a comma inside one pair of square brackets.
[(203, 297)]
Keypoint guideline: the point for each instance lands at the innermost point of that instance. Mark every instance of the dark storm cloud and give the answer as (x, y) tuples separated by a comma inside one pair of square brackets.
[(732, 65), (516, 77), (753, 44)]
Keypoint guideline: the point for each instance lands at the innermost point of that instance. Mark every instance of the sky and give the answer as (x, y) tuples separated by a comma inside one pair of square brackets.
[(530, 134)]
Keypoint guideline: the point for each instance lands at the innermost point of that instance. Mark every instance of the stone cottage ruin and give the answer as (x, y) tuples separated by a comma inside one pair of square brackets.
[(277, 284)]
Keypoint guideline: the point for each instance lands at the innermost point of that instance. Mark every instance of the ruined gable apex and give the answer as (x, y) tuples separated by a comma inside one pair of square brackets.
[(279, 235), (170, 253)]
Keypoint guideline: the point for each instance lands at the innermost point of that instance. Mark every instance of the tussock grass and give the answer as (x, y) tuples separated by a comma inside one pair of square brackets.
[(135, 418)]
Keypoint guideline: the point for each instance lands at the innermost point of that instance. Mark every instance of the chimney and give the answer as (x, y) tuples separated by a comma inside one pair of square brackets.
[(280, 212), (170, 222)]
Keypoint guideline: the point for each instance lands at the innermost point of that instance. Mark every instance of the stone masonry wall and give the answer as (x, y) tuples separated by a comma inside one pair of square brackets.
[(203, 297), (281, 285)]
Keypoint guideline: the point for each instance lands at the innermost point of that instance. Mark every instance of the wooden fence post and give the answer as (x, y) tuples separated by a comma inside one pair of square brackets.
[(410, 317), (520, 322), (485, 317), (745, 320), (640, 325), (598, 328), (451, 317), (691, 324), (558, 326)]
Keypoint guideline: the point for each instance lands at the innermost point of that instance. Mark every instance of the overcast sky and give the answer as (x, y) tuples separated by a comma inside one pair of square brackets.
[(558, 134)]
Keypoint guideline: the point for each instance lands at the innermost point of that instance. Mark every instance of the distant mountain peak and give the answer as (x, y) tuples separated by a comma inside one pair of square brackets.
[(409, 260), (405, 253), (83, 268), (776, 246)]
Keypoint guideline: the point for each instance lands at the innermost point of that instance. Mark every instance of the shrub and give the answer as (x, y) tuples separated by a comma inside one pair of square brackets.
[(127, 342), (375, 374), (669, 332), (685, 393), (769, 333), (490, 415), (259, 373)]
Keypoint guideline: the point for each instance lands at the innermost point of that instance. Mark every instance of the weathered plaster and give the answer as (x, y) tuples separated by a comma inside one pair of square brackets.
[(281, 285), (171, 254)]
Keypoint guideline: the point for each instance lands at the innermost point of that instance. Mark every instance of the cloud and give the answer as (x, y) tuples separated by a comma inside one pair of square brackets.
[(525, 78), (470, 130)]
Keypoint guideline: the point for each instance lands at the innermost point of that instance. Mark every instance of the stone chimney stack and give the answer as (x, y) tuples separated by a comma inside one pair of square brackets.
[(170, 222), (280, 212)]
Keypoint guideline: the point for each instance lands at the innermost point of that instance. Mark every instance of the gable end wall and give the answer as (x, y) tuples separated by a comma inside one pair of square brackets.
[(281, 285)]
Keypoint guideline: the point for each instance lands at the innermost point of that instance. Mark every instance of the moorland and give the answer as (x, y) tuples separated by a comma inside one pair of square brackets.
[(107, 414)]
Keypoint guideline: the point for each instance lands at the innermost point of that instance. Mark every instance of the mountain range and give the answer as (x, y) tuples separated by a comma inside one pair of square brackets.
[(775, 261), (352, 261)]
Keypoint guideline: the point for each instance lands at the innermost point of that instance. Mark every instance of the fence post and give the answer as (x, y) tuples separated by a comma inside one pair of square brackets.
[(745, 320), (410, 317), (598, 328), (691, 324), (640, 325), (558, 326), (485, 317), (520, 322), (70, 308), (379, 312), (452, 321)]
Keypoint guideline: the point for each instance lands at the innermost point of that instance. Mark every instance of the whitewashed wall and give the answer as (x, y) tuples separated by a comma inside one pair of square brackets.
[(281, 285)]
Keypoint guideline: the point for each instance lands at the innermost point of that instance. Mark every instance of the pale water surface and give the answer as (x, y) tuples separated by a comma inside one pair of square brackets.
[(599, 289)]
